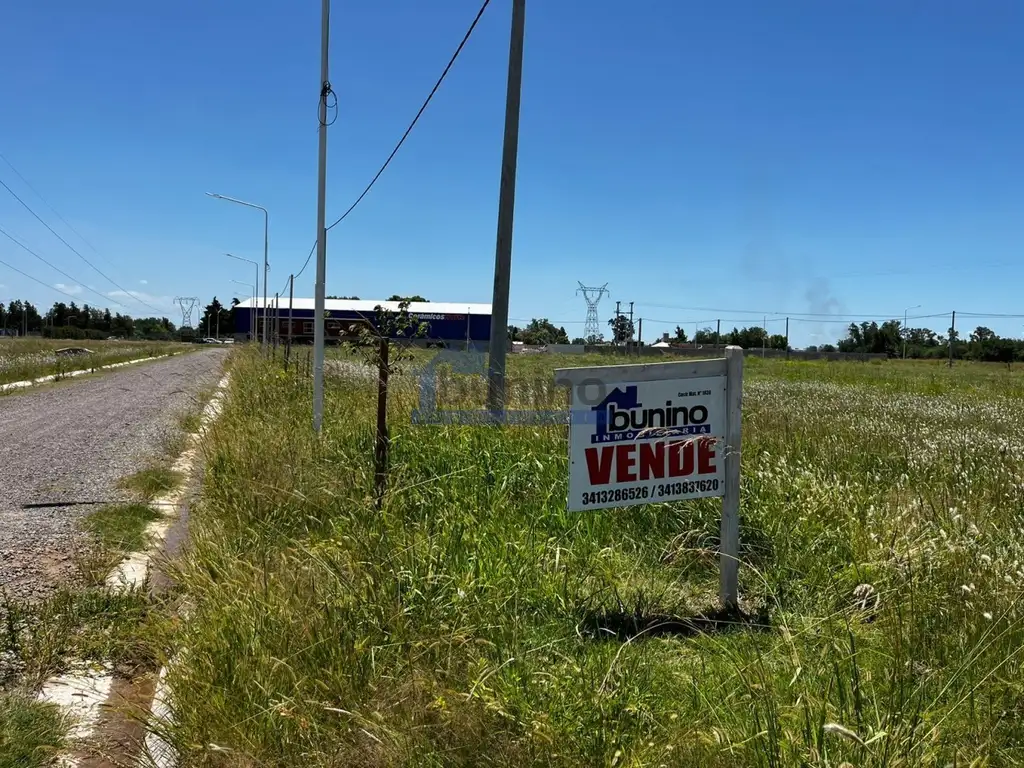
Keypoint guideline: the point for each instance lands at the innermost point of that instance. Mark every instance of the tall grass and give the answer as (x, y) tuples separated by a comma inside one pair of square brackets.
[(473, 621), (25, 359)]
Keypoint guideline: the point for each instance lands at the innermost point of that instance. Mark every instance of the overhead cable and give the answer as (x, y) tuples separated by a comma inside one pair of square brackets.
[(416, 119), (55, 268), (36, 279), (75, 250)]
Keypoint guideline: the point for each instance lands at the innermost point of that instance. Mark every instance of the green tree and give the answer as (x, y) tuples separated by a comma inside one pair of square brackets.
[(343, 298), (704, 336), (410, 299), (217, 319), (622, 329), (542, 332)]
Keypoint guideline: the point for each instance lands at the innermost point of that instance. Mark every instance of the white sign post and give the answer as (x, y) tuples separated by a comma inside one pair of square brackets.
[(661, 432)]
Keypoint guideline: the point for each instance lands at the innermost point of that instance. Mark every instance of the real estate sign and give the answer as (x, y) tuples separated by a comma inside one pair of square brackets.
[(648, 441), (661, 432)]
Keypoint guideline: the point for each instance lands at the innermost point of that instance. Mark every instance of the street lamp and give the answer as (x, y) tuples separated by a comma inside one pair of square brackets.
[(252, 313), (905, 329), (266, 266), (252, 295)]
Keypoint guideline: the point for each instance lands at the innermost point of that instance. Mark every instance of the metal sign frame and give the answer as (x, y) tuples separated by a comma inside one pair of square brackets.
[(731, 369)]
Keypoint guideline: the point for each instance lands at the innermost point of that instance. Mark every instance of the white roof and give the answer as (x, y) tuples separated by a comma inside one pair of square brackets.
[(368, 306)]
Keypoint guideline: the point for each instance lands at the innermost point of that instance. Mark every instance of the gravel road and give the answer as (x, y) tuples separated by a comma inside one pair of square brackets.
[(70, 444)]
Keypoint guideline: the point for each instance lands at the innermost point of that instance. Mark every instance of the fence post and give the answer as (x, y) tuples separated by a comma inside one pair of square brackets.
[(729, 546), (382, 442)]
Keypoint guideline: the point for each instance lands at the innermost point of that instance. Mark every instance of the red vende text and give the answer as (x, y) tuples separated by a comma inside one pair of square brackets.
[(628, 462)]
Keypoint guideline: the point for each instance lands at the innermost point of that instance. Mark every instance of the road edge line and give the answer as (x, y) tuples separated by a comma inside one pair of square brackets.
[(83, 693)]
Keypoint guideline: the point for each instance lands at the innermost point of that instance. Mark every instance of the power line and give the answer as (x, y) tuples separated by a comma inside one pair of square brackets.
[(982, 316), (75, 250), (52, 209), (405, 135), (306, 262), (416, 119), (780, 313), (75, 280), (36, 279)]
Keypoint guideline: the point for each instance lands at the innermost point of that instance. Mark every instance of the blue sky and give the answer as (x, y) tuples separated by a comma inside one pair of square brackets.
[(849, 158)]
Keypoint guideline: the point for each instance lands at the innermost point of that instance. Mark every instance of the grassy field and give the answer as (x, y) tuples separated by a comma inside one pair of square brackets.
[(24, 359), (473, 621)]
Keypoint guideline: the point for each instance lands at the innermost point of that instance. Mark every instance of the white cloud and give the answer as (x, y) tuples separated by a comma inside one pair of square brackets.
[(74, 290), (144, 282)]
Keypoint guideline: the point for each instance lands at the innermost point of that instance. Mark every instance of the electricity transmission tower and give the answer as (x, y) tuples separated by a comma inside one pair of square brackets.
[(187, 304), (592, 296)]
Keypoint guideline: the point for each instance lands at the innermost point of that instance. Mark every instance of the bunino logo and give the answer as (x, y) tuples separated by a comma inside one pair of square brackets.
[(621, 416)]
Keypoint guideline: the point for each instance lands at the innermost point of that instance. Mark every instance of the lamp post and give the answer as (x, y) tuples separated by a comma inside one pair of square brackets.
[(266, 265), (252, 295), (904, 334), (252, 323)]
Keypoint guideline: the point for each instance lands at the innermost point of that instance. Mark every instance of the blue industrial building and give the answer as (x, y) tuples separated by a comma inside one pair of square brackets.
[(448, 323)]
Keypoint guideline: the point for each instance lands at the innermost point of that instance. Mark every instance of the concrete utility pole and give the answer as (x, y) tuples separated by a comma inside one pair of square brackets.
[(506, 211), (952, 331), (631, 321), (904, 329), (787, 338), (718, 333), (291, 296), (276, 326), (321, 224)]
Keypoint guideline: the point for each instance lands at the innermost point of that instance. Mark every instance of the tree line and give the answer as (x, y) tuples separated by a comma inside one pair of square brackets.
[(69, 321), (888, 338), (892, 339)]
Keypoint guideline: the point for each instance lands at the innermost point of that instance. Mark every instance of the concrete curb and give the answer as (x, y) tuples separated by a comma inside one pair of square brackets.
[(82, 692), (78, 372)]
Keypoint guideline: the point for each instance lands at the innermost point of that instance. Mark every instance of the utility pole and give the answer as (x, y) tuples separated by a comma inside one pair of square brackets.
[(640, 332), (764, 335), (321, 225), (631, 321), (276, 326), (718, 333), (291, 296), (787, 338), (952, 332), (506, 210), (903, 330)]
